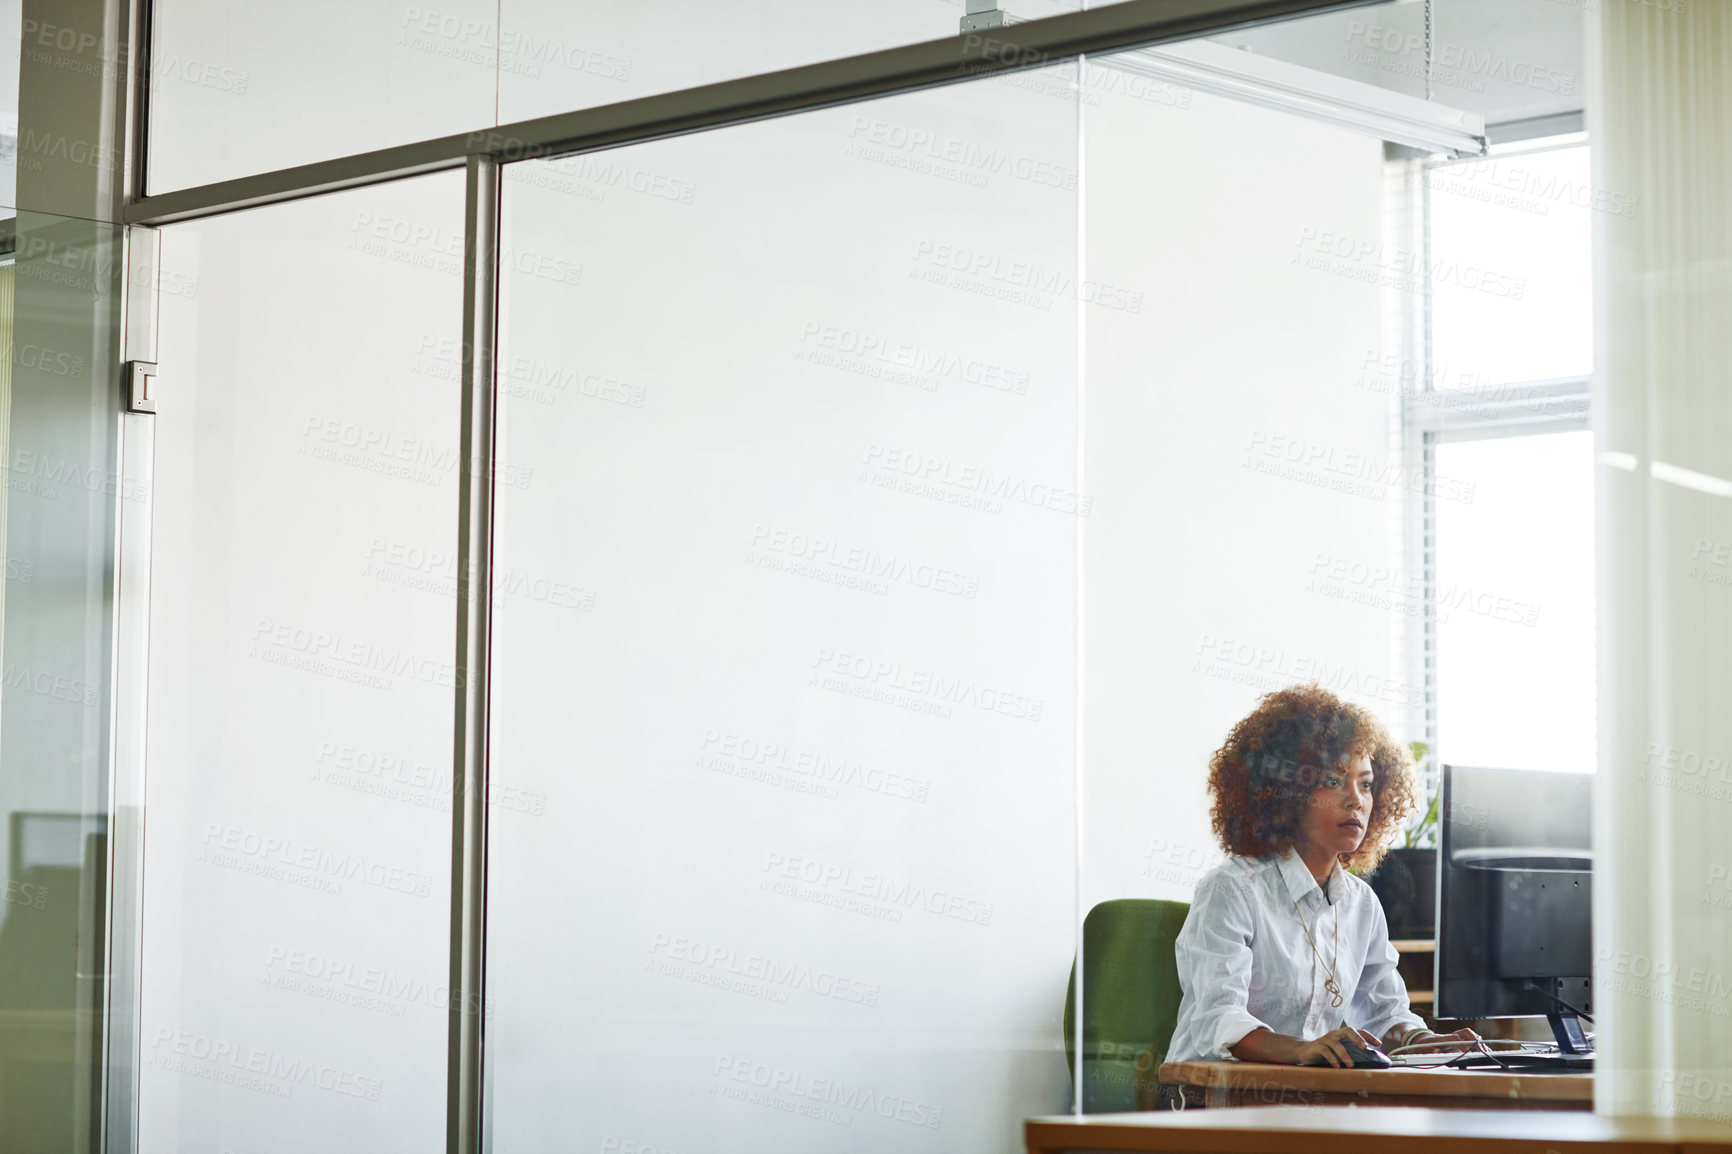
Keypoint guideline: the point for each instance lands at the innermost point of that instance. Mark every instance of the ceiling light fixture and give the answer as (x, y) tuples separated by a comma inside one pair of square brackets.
[(1350, 104)]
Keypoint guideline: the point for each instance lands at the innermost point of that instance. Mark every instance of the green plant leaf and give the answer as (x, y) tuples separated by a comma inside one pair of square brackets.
[(1417, 832)]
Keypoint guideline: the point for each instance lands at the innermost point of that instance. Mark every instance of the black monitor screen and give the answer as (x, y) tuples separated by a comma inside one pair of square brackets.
[(1515, 893)]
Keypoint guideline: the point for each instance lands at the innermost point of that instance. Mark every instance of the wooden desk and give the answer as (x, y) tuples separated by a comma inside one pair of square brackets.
[(1257, 1084), (1374, 1130)]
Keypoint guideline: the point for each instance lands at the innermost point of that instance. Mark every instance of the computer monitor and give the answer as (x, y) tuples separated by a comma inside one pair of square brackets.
[(1514, 898)]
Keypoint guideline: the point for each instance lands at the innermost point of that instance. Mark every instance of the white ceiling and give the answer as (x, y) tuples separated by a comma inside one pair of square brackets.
[(1504, 59)]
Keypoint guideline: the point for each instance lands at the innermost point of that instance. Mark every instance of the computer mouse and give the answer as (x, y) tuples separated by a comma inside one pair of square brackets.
[(1367, 1057)]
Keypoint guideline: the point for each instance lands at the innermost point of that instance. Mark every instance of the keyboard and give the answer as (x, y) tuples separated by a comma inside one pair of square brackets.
[(1532, 1061), (1422, 1059)]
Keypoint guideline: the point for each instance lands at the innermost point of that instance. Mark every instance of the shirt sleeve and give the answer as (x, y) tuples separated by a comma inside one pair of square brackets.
[(1213, 952), (1380, 999)]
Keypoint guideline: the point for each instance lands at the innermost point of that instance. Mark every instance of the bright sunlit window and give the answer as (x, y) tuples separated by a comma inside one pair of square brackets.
[(1515, 604), (1513, 555), (1513, 291)]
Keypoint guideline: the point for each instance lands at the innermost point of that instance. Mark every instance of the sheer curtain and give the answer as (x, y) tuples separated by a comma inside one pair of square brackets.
[(1661, 112)]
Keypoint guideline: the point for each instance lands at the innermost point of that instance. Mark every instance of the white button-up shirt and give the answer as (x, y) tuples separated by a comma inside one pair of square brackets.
[(1244, 960)]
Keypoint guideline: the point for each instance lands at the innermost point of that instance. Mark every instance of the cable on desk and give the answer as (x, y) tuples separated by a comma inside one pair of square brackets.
[(1472, 1044)]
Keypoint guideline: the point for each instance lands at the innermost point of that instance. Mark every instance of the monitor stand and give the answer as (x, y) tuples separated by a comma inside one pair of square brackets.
[(1567, 1029)]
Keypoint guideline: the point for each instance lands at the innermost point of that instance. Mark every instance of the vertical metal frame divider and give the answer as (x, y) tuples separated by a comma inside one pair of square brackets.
[(121, 1041), (140, 301), (475, 496), (1118, 26), (1079, 886)]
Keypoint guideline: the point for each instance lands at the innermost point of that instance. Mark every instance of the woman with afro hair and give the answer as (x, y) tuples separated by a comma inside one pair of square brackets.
[(1285, 955)]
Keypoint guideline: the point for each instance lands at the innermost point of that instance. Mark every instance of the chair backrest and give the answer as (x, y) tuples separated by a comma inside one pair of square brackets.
[(1130, 1001)]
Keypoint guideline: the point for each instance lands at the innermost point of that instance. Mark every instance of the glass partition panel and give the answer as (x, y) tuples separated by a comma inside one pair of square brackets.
[(297, 869), (60, 293), (784, 660), (1246, 489), (1265, 518)]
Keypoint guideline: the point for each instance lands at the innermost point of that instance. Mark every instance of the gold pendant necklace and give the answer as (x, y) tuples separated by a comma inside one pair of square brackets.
[(1329, 983)]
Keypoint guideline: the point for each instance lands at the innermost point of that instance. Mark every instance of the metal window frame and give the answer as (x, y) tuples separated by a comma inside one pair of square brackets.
[(1409, 330), (973, 55), (1524, 409)]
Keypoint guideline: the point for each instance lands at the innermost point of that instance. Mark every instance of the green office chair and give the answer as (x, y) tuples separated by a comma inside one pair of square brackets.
[(1131, 1002)]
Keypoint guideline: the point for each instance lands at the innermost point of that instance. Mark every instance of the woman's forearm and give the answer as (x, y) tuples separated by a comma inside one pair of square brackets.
[(1265, 1045)]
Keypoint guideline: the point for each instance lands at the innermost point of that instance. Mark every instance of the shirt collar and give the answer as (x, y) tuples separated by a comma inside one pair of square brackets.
[(1300, 883)]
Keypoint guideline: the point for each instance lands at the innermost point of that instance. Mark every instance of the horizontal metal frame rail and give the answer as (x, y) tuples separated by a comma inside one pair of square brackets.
[(1033, 44)]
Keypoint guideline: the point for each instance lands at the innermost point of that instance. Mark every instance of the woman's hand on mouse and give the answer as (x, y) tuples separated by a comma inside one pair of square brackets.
[(1331, 1048), (1264, 1045)]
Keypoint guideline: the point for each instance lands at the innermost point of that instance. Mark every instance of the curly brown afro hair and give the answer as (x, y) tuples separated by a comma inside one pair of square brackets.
[(1263, 775)]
